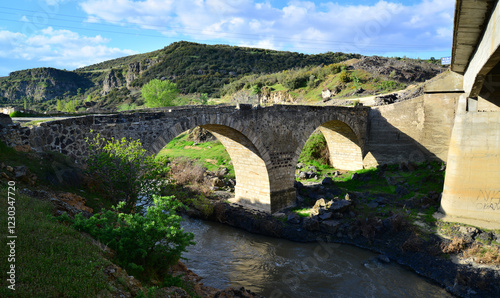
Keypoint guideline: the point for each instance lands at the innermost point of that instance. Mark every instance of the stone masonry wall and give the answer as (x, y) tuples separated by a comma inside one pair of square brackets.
[(415, 130)]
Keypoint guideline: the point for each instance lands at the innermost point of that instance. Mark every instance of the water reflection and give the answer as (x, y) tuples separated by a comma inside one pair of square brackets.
[(225, 257)]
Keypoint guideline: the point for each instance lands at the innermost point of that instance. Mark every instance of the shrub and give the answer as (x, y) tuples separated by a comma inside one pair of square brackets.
[(315, 150), (455, 246), (125, 170), (153, 240), (187, 171), (344, 76)]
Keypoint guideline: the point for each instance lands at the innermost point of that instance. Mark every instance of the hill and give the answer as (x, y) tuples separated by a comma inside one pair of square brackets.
[(366, 76), (195, 68)]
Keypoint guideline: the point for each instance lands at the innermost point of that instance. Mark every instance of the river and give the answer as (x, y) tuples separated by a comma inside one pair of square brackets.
[(230, 257)]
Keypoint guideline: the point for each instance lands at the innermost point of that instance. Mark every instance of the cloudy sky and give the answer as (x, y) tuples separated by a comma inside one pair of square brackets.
[(68, 34)]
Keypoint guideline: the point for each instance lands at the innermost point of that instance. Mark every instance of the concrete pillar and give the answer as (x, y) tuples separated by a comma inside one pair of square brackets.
[(472, 183)]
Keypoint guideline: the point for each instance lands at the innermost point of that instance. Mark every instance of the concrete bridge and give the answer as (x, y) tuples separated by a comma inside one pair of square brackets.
[(472, 183)]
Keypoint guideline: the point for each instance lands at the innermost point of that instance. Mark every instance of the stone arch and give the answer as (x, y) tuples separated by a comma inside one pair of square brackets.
[(344, 145), (252, 177)]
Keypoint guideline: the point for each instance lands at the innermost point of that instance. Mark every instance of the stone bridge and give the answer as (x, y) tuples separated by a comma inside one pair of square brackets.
[(264, 143)]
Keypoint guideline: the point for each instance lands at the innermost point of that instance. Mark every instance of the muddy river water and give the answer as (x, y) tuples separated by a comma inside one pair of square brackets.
[(230, 257)]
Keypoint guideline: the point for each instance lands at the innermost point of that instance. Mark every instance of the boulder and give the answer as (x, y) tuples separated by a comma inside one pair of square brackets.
[(311, 174), (340, 206), (5, 120), (327, 181), (21, 172), (221, 172), (293, 218), (330, 226), (313, 168), (468, 232), (326, 93), (200, 135), (485, 237), (302, 175), (311, 223), (319, 204), (217, 182), (325, 216)]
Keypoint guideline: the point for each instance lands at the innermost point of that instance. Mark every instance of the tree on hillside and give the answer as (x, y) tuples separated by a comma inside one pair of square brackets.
[(158, 93)]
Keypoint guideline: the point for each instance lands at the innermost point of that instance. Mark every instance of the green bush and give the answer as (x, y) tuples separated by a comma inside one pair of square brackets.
[(152, 242), (315, 150), (344, 76), (124, 170)]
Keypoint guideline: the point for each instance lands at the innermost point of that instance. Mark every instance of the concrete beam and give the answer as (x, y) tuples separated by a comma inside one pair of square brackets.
[(486, 57)]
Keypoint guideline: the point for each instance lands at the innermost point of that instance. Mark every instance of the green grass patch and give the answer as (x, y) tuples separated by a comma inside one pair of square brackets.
[(303, 212), (21, 114), (52, 259), (212, 154)]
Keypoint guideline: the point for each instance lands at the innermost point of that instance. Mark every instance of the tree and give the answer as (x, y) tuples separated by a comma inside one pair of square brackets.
[(124, 170), (60, 105), (204, 98), (158, 93)]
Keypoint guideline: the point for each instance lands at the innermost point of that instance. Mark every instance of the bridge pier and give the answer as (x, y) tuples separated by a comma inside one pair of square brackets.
[(472, 183)]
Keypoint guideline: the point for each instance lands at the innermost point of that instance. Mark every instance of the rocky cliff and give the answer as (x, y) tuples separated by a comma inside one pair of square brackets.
[(42, 84)]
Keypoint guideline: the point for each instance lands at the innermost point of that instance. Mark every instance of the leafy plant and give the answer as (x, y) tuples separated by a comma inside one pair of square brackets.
[(124, 170), (344, 76), (153, 240)]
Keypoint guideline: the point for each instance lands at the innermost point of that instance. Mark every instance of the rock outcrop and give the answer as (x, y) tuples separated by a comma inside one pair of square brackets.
[(268, 97), (111, 82)]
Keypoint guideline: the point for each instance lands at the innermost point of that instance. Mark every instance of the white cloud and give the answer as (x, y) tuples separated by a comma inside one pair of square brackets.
[(299, 25), (63, 48)]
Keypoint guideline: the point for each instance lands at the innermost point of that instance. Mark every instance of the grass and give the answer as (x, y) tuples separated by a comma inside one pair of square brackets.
[(211, 154), (484, 254), (51, 259), (303, 212), (34, 122)]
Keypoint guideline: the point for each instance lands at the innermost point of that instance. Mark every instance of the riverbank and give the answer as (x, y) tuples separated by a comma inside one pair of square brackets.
[(424, 248)]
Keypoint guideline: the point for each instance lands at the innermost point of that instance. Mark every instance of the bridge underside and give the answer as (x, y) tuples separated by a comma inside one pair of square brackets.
[(472, 183)]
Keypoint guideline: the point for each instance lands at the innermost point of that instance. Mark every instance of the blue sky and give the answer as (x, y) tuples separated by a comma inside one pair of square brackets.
[(68, 34)]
